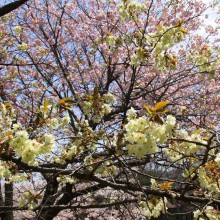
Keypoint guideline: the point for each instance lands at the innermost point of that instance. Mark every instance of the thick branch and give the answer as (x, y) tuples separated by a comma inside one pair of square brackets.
[(62, 207), (11, 7)]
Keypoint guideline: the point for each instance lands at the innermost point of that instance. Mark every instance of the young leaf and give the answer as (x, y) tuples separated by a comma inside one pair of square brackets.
[(46, 104), (65, 103), (160, 105), (197, 131), (96, 93), (166, 185), (157, 119), (65, 100), (149, 110)]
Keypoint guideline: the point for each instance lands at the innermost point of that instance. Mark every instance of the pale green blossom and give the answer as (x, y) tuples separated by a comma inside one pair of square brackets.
[(108, 98), (23, 47), (153, 207), (18, 29)]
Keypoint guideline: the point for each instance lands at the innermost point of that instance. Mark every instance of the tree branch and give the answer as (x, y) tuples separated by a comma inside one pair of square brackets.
[(11, 7)]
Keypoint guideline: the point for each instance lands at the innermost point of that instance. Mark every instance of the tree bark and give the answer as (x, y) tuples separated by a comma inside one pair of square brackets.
[(8, 215), (11, 6)]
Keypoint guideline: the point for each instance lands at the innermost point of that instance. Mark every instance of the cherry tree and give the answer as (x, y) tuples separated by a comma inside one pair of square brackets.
[(109, 110)]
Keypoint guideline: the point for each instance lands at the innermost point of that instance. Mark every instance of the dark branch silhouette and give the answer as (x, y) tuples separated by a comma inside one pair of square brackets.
[(11, 6)]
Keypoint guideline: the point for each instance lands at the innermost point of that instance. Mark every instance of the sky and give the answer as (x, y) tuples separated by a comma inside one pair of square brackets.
[(212, 16), (3, 2)]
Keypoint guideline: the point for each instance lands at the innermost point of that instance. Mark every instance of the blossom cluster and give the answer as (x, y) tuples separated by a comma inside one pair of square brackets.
[(9, 172), (28, 149), (96, 107), (217, 159), (209, 212), (163, 39), (144, 136), (189, 144), (23, 47), (130, 9), (205, 60), (153, 207), (208, 178), (18, 29), (29, 199), (45, 113), (158, 43), (16, 139), (66, 179), (85, 139)]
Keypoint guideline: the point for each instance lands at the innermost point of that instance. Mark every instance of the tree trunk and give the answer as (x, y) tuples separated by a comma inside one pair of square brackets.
[(8, 201)]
